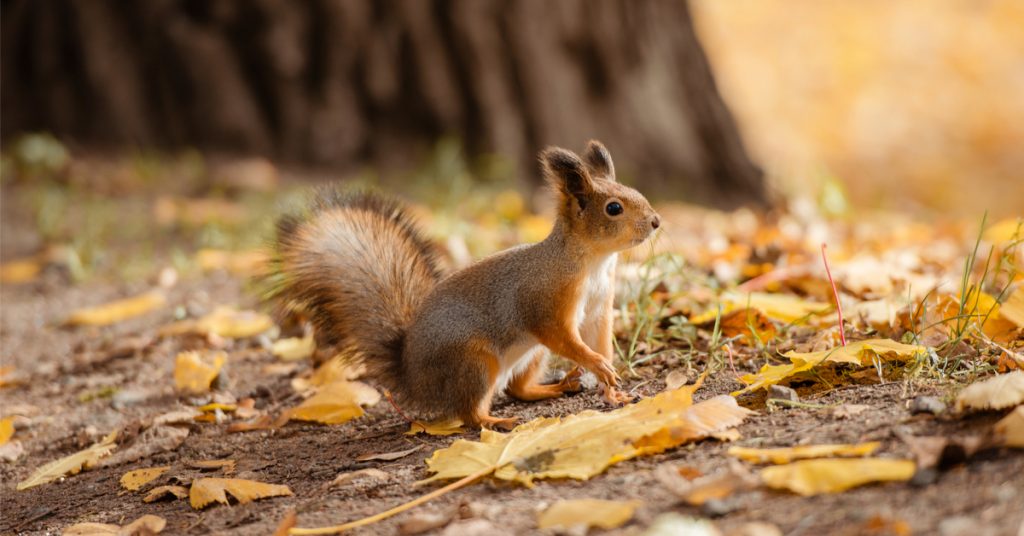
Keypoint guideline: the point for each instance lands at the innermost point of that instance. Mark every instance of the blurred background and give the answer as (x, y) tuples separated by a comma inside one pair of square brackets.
[(202, 115)]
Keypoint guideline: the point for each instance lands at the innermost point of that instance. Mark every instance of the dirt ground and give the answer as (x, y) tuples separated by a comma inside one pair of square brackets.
[(65, 392)]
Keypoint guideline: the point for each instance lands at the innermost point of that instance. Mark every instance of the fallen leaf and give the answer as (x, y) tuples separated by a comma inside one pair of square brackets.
[(943, 452), (673, 524), (134, 480), (998, 392), (194, 375), (293, 348), (6, 430), (147, 524), (228, 466), (362, 474), (1013, 308), (118, 311), (239, 263), (675, 379), (159, 492), (20, 271), (336, 403), (845, 411), (588, 513), (436, 428), (222, 322), (1011, 428), (803, 452), (205, 491), (153, 440), (860, 353), (183, 416), (747, 324), (813, 477), (582, 445), (783, 307), (71, 465), (286, 524), (388, 456), (421, 522), (700, 489)]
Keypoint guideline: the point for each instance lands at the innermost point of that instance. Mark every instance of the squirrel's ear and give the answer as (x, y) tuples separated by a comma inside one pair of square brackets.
[(567, 173), (599, 160)]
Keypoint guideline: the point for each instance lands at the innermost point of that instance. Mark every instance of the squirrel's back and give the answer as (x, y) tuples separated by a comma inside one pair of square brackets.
[(358, 266)]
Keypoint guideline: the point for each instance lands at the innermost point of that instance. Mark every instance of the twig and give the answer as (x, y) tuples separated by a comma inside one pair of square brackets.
[(387, 395), (732, 365), (835, 293), (463, 482)]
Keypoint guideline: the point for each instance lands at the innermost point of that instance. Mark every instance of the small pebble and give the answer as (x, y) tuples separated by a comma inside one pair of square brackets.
[(717, 507), (925, 477), (927, 404), (783, 393)]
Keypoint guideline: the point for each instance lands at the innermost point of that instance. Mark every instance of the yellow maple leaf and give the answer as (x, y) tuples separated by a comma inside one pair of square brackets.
[(998, 392), (71, 465), (205, 491), (193, 375), (1011, 428), (293, 348), (118, 310), (857, 353), (6, 430), (147, 524), (335, 403), (813, 477), (134, 480), (588, 513), (803, 452), (436, 428), (582, 445)]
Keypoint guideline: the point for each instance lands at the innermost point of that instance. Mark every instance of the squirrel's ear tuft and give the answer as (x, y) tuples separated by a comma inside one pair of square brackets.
[(599, 160), (567, 174)]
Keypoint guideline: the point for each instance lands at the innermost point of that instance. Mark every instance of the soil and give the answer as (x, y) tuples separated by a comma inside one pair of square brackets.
[(66, 374)]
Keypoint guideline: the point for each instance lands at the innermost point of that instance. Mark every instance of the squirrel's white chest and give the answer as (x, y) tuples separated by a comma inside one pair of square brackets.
[(598, 286)]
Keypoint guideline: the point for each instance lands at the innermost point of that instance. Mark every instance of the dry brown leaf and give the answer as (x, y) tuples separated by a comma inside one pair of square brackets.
[(747, 324), (813, 477), (802, 452), (71, 465), (943, 451), (117, 311), (205, 491), (436, 428), (702, 488), (362, 474), (193, 374), (134, 480), (388, 456), (153, 440), (336, 403), (159, 492), (286, 524), (227, 466), (588, 513), (1011, 428), (147, 524), (998, 392)]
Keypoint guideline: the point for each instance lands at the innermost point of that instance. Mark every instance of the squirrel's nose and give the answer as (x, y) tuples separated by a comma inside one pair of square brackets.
[(655, 222)]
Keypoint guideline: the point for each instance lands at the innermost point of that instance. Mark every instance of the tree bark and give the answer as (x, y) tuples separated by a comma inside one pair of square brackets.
[(346, 82)]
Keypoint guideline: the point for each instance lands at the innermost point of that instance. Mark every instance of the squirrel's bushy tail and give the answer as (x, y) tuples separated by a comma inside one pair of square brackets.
[(360, 269)]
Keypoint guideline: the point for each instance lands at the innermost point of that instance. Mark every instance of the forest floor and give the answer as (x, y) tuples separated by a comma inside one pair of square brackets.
[(66, 387)]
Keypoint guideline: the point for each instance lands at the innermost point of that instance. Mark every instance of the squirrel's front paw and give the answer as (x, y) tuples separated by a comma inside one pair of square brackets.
[(604, 372), (572, 382)]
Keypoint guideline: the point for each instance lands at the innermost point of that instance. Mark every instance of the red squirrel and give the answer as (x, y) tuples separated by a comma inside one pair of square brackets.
[(445, 344)]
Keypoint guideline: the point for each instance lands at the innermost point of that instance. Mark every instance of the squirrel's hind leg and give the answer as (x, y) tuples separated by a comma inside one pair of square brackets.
[(526, 386), (479, 411)]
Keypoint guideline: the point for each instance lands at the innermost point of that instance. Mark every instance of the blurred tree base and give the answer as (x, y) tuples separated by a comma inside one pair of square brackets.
[(378, 83)]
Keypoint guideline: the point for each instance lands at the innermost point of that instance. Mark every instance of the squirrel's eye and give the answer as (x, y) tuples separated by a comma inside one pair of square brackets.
[(614, 208)]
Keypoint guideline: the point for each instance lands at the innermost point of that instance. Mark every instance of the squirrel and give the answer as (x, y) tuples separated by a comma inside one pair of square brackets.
[(444, 345)]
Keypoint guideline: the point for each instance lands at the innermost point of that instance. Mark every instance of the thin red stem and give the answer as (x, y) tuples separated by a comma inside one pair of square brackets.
[(387, 395), (835, 294), (732, 365)]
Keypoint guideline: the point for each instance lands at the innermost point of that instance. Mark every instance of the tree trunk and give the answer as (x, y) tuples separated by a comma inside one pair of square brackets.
[(347, 82)]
